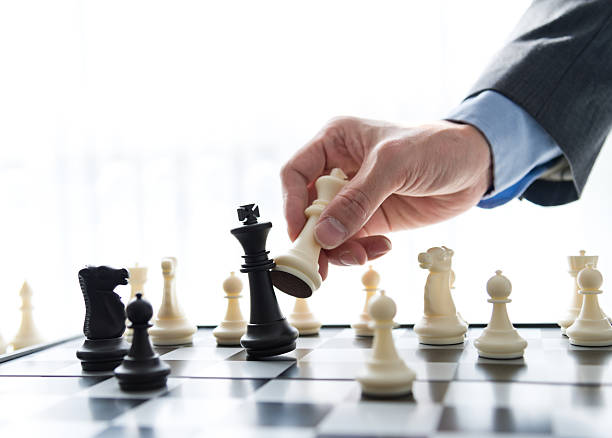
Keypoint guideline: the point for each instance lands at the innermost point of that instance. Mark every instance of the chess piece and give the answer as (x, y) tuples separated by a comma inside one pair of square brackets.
[(104, 346), (370, 281), (138, 277), (385, 374), (576, 264), (591, 328), (268, 332), (171, 326), (297, 272), (233, 325), (500, 340), (303, 319), (27, 334), (141, 369), (441, 324)]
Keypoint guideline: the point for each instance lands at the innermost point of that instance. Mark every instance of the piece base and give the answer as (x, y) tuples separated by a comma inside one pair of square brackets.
[(254, 354), (102, 354), (579, 343), (290, 284), (142, 375), (386, 392), (501, 356), (442, 341)]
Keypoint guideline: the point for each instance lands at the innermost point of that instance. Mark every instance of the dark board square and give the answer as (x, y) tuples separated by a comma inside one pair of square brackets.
[(47, 385), (217, 388), (89, 409), (133, 431), (500, 419), (281, 414)]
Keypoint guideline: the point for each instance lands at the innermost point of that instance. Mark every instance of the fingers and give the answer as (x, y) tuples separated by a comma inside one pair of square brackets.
[(323, 265), (353, 206), (358, 251)]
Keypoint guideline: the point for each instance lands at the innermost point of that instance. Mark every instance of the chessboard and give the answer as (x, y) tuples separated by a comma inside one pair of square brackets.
[(555, 390)]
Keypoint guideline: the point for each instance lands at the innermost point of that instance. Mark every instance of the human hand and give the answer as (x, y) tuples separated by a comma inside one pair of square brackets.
[(401, 178)]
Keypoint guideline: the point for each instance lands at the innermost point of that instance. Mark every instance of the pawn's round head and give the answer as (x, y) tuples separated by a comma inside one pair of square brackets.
[(590, 278), (499, 287), (382, 308), (232, 285), (139, 311), (370, 279)]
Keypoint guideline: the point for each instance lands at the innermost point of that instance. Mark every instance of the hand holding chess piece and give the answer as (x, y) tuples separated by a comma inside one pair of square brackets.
[(297, 272), (441, 324), (233, 325), (591, 328), (385, 375), (500, 340)]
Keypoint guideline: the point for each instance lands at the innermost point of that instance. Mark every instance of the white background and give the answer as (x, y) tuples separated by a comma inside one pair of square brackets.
[(131, 131)]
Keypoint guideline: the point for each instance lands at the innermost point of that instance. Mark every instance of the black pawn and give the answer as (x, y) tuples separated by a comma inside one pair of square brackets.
[(268, 332), (141, 369)]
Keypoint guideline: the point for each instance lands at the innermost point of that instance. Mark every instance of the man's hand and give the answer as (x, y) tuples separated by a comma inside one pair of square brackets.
[(401, 177)]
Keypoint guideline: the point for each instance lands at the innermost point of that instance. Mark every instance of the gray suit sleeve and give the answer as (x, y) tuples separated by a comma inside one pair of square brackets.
[(558, 67)]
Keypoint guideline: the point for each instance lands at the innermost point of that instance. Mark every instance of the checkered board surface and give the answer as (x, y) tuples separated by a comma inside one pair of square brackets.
[(556, 390)]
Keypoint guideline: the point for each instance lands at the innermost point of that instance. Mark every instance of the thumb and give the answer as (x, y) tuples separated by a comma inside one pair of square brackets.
[(352, 207)]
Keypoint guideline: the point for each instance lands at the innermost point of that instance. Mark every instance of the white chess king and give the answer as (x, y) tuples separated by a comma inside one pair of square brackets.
[(500, 340), (591, 328), (370, 280), (171, 326), (441, 324), (297, 272), (233, 325), (385, 373)]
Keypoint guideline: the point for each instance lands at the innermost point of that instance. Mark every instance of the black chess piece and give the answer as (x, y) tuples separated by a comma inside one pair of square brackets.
[(268, 332), (104, 346), (141, 369)]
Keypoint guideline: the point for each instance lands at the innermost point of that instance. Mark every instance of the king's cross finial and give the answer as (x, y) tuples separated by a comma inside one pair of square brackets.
[(248, 214)]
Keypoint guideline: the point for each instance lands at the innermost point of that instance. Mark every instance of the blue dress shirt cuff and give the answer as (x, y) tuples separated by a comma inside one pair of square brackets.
[(521, 149)]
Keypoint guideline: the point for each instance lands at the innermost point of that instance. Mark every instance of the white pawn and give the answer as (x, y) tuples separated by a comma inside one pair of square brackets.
[(440, 324), (171, 326), (27, 334), (576, 264), (385, 374), (591, 328), (370, 281), (500, 340), (138, 277), (303, 319), (233, 326)]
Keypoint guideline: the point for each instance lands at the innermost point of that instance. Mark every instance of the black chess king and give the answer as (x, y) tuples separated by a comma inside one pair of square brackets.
[(268, 332)]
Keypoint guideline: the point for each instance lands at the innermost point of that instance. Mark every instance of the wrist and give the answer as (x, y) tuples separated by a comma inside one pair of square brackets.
[(479, 151)]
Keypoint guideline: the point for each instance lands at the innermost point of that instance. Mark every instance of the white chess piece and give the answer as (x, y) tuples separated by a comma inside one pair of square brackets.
[(138, 277), (27, 334), (500, 340), (233, 326), (441, 324), (370, 280), (385, 373), (303, 319), (576, 264), (171, 326), (302, 261), (591, 328)]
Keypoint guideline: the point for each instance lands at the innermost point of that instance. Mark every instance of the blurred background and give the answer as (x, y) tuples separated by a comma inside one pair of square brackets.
[(130, 131)]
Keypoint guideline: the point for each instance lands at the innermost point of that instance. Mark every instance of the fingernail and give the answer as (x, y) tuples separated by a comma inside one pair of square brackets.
[(330, 233), (346, 258), (380, 248)]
